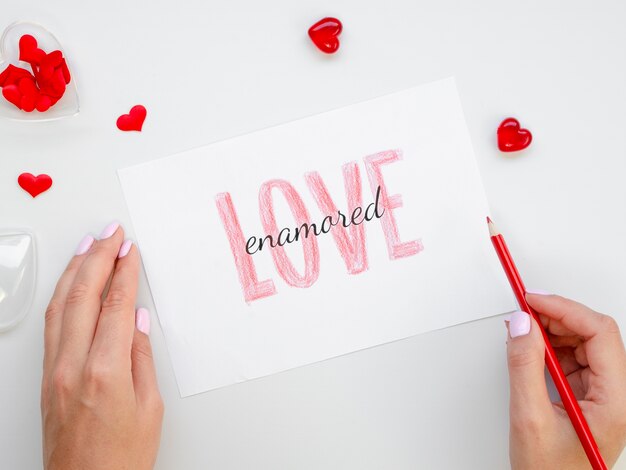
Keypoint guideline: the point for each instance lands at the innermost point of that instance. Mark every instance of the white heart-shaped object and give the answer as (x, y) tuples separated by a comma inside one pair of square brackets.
[(17, 276), (10, 52)]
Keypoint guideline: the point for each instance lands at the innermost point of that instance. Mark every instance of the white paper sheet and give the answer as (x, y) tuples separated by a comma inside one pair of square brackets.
[(439, 270)]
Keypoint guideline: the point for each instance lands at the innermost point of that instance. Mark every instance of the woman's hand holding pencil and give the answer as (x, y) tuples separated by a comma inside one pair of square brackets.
[(591, 353)]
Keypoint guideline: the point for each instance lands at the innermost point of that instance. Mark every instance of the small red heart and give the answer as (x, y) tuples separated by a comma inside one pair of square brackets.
[(133, 121), (43, 103), (27, 86), (57, 82), (49, 66), (28, 103), (34, 185), (47, 85), (27, 42), (12, 94), (66, 72), (29, 52), (324, 34), (6, 73), (511, 137), (53, 59), (12, 75), (44, 73)]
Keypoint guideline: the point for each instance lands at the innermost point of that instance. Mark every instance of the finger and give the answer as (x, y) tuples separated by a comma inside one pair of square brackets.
[(564, 341), (554, 327), (82, 306), (577, 318), (580, 353), (567, 359), (603, 343), (144, 373), (529, 399), (114, 332), (576, 383), (54, 312)]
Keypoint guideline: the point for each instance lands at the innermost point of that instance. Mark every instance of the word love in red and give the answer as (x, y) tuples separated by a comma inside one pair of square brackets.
[(40, 89), (349, 238)]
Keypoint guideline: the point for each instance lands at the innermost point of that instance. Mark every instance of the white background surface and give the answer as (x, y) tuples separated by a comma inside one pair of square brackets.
[(209, 71)]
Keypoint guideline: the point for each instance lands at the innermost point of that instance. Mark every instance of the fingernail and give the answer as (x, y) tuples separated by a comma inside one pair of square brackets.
[(519, 324), (537, 292), (109, 230), (142, 320), (84, 245), (125, 248)]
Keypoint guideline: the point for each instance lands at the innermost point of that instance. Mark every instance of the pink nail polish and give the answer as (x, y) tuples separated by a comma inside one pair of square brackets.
[(125, 248), (84, 245), (519, 324), (142, 320), (537, 292), (109, 230)]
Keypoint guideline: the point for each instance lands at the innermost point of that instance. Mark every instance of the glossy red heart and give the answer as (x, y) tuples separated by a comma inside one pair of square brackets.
[(511, 137), (133, 121), (324, 34), (34, 185)]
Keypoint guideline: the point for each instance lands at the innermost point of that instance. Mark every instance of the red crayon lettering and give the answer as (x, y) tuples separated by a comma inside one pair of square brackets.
[(253, 289), (309, 244), (351, 244), (395, 247)]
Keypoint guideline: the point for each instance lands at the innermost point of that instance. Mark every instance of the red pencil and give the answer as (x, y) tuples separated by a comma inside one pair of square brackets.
[(560, 381)]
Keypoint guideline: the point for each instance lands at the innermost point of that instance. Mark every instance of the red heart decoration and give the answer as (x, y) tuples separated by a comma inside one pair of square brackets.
[(511, 137), (41, 89), (12, 75), (34, 185), (12, 94), (27, 86), (29, 52), (28, 103), (324, 34), (43, 103), (58, 83), (66, 72), (133, 121), (53, 59)]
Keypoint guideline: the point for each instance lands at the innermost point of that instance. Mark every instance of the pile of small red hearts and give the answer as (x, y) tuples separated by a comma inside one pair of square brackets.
[(38, 90)]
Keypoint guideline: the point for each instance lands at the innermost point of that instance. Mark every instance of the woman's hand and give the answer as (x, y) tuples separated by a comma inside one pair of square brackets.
[(100, 401), (591, 352)]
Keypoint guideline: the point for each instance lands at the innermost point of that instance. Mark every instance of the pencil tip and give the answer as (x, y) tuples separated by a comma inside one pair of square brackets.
[(492, 227)]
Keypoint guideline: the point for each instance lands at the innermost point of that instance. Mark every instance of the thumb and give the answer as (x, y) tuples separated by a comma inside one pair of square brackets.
[(529, 399)]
